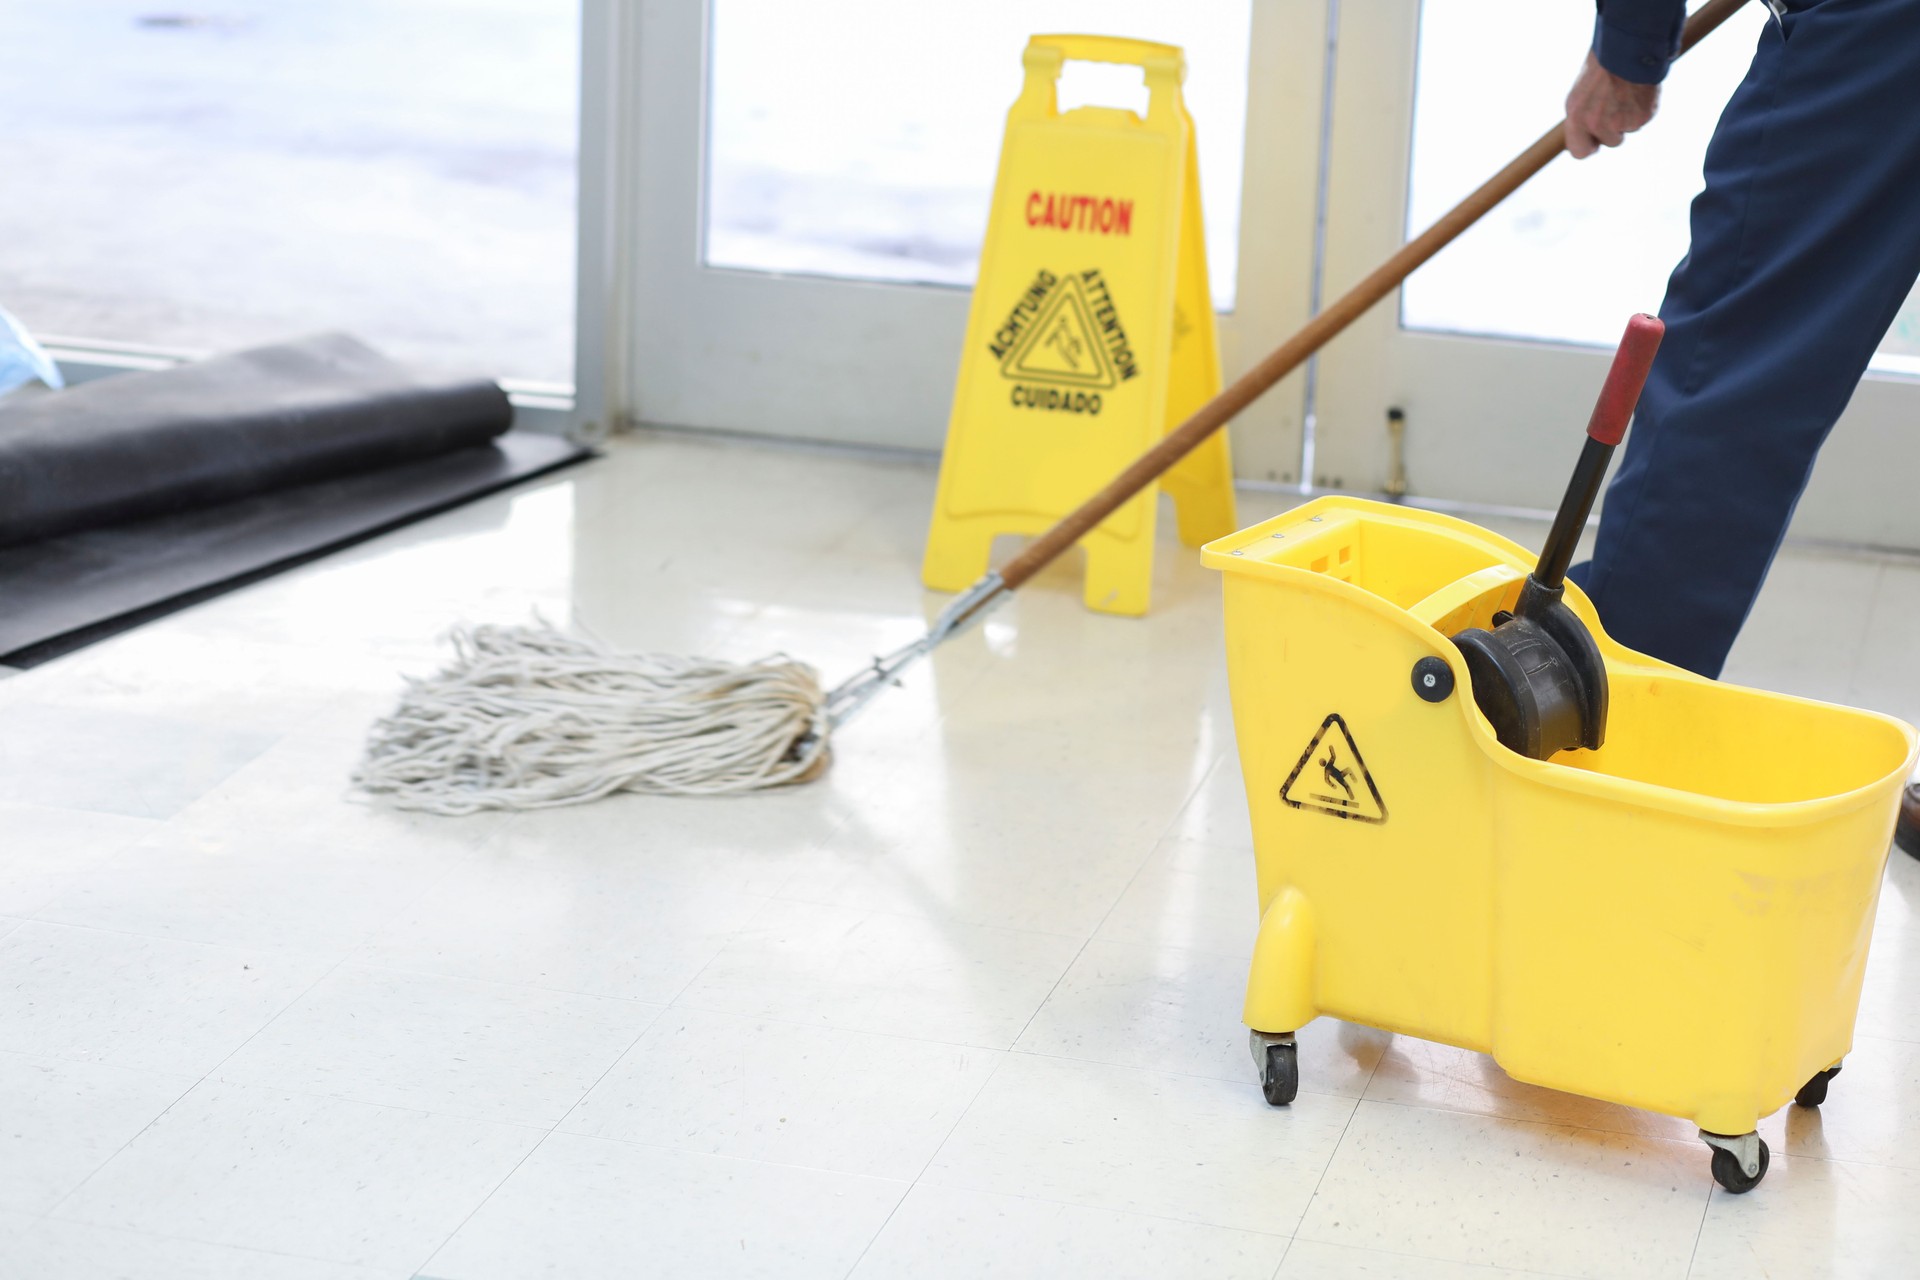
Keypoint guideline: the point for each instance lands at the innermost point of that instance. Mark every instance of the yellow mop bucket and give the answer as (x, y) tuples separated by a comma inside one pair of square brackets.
[(1676, 921)]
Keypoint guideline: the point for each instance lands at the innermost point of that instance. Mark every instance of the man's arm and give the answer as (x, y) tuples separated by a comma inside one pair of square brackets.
[(1636, 39), (1619, 88)]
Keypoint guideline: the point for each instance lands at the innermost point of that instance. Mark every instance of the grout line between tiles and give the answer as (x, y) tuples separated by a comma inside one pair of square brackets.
[(646, 1146), (1281, 1265), (138, 1232), (550, 1131), (1199, 786), (927, 1164), (1081, 951), (1700, 1233), (92, 1173), (1325, 1168), (204, 1078), (491, 1192), (1027, 1026)]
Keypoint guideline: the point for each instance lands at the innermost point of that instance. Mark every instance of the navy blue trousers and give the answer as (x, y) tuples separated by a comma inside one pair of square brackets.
[(1806, 240)]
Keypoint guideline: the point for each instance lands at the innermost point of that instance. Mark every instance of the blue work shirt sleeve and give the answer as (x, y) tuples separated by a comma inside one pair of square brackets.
[(1636, 39)]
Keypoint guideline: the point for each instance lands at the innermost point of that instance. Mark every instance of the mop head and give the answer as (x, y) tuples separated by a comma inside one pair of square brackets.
[(531, 718)]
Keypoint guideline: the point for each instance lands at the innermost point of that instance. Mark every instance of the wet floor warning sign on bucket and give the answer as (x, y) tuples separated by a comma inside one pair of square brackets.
[(1091, 331), (1332, 778)]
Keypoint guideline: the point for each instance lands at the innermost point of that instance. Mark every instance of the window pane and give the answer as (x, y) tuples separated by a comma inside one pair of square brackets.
[(865, 147), (223, 175), (1583, 245)]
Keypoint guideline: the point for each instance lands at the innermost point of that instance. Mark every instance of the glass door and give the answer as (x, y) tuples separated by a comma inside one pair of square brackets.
[(809, 189), (182, 181), (1494, 349)]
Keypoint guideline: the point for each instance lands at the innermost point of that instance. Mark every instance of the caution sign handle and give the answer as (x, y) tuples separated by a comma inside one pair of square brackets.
[(1090, 334), (1164, 64)]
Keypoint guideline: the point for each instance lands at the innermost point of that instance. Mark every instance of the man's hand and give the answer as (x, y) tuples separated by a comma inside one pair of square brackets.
[(1603, 109)]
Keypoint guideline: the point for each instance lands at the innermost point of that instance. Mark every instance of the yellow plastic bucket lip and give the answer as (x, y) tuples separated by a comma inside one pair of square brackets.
[(1219, 554), (1229, 555)]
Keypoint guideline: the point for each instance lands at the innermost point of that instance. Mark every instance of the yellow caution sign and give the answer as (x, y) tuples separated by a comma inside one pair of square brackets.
[(1091, 331)]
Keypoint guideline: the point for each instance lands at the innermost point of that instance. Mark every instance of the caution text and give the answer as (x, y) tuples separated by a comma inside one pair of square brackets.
[(1099, 215)]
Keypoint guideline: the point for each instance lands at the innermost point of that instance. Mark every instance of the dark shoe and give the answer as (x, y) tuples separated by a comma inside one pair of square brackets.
[(1906, 832)]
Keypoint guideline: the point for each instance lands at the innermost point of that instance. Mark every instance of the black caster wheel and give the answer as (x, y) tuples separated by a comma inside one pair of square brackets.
[(1728, 1173), (1280, 1074), (1814, 1091)]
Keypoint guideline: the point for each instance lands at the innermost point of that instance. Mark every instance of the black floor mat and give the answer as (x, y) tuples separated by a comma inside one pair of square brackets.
[(62, 593), (145, 444)]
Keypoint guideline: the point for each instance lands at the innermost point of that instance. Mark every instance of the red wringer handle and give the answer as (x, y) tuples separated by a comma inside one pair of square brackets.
[(1611, 413), (1621, 391)]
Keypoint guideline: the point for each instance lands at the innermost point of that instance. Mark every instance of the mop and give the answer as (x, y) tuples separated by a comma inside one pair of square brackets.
[(530, 718)]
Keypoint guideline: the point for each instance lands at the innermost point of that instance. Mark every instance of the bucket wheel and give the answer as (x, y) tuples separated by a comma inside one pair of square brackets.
[(1278, 1060), (1814, 1091), (1738, 1162)]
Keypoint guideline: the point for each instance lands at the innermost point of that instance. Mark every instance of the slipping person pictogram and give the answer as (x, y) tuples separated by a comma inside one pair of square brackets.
[(1339, 769), (1335, 774)]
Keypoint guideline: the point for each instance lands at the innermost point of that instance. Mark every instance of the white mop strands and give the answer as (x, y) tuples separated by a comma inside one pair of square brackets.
[(532, 718)]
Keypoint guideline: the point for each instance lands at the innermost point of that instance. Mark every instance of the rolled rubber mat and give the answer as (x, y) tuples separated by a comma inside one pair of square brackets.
[(148, 444), (131, 496), (59, 594)]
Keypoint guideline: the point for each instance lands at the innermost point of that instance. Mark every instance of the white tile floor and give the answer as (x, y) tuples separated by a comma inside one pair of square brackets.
[(969, 1006)]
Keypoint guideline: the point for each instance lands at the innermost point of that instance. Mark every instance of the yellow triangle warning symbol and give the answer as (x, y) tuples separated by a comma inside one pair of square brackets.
[(1064, 347), (1332, 778)]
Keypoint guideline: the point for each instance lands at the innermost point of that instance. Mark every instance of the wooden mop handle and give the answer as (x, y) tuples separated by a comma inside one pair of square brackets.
[(1292, 353)]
